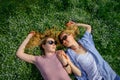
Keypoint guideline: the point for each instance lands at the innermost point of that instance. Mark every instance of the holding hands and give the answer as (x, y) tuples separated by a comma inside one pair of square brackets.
[(62, 57), (67, 64)]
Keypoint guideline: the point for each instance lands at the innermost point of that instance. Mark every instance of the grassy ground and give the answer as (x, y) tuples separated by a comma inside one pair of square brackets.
[(19, 17)]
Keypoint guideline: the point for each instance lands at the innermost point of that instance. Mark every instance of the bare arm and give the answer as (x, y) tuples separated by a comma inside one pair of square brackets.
[(71, 23), (63, 61), (20, 52), (74, 69), (68, 65), (88, 27)]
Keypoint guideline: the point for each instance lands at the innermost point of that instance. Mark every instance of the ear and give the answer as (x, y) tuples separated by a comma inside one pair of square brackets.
[(43, 46)]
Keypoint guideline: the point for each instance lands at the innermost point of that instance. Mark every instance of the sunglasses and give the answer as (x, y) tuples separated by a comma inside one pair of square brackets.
[(52, 42), (64, 38)]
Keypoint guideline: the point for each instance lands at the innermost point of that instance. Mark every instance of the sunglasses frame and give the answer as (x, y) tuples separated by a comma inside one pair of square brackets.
[(64, 38), (51, 42)]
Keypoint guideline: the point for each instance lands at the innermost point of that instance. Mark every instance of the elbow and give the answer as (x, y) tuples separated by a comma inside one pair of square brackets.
[(89, 28), (18, 54)]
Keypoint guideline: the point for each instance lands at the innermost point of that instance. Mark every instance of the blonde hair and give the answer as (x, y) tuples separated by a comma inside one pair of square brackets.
[(54, 32), (69, 30), (38, 38)]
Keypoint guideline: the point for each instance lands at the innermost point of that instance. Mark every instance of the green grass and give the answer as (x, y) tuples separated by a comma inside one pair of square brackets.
[(18, 18)]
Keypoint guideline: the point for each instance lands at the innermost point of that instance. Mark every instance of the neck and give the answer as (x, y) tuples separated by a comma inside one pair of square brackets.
[(75, 46), (49, 53)]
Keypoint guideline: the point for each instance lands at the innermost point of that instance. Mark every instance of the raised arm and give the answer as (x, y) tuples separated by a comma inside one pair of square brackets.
[(20, 52), (86, 26)]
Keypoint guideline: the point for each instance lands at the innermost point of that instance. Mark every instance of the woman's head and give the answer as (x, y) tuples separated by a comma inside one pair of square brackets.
[(48, 44), (66, 37), (42, 40)]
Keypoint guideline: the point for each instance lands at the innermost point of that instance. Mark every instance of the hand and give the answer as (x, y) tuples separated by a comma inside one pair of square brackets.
[(62, 57), (32, 33), (68, 59), (70, 23)]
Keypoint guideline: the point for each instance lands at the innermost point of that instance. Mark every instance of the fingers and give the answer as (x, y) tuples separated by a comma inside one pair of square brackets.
[(70, 23), (61, 53), (32, 32)]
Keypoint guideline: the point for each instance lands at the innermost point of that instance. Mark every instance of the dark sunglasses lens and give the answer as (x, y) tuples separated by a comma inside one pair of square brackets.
[(52, 42), (55, 42), (64, 38)]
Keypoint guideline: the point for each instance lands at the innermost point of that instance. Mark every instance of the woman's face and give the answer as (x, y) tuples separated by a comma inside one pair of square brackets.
[(50, 45), (66, 39)]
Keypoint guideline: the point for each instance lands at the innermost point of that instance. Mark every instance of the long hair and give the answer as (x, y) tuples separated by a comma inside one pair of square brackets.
[(39, 38), (69, 30)]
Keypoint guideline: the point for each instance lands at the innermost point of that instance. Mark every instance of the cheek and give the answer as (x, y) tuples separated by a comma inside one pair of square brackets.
[(47, 46)]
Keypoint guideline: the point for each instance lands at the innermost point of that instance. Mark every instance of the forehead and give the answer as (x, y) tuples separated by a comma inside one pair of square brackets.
[(50, 39), (63, 34)]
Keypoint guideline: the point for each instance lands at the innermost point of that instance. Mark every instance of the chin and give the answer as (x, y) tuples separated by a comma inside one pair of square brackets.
[(67, 45), (53, 50)]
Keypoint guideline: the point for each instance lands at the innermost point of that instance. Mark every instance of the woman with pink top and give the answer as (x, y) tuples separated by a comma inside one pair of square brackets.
[(53, 65)]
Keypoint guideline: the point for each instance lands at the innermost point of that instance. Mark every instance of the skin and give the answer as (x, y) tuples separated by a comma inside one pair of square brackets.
[(49, 50)]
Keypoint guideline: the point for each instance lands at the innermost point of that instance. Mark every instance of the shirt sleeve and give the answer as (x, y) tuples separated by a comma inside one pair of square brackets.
[(87, 38)]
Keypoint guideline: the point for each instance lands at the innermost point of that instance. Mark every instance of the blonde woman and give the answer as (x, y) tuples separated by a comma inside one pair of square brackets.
[(84, 55)]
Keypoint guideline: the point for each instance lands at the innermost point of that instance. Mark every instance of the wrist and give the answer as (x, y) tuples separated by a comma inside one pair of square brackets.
[(32, 33), (66, 65), (29, 36)]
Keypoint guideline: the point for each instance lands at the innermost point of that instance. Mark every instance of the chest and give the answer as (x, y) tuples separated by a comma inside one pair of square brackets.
[(80, 50), (49, 64)]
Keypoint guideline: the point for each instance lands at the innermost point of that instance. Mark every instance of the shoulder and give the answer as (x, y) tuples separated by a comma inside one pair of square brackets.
[(38, 58)]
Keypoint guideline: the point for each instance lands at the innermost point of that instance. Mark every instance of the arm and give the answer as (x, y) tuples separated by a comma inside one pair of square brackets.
[(63, 61), (20, 52), (71, 23), (74, 69), (88, 27), (68, 65)]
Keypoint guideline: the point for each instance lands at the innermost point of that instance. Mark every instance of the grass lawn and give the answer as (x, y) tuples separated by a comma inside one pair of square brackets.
[(19, 17)]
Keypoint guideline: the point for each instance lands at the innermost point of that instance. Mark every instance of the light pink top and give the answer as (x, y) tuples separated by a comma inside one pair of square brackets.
[(51, 68)]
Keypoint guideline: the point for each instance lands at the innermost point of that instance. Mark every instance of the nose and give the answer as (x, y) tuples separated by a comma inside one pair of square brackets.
[(64, 41), (54, 44)]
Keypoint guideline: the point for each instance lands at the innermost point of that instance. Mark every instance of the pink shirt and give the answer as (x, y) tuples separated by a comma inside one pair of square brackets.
[(51, 68)]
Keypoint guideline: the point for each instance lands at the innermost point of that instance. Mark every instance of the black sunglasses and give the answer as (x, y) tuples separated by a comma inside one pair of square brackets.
[(64, 38), (52, 42)]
